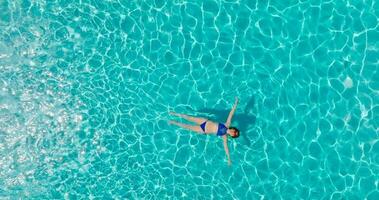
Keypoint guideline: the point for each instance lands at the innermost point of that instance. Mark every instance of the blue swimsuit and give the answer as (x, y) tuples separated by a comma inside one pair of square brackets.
[(203, 125), (221, 130)]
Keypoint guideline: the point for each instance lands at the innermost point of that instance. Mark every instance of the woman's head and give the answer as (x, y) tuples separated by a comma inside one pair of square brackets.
[(234, 132)]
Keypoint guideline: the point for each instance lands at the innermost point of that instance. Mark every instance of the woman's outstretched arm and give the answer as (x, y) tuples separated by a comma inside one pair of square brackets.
[(229, 120), (225, 138)]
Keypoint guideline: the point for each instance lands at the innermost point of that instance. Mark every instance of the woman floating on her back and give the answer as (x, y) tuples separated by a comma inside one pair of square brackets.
[(207, 126)]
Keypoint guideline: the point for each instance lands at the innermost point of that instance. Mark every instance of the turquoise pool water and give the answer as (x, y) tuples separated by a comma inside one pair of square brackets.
[(86, 88)]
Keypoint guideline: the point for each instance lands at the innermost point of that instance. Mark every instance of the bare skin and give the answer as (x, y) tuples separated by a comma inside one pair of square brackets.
[(210, 128)]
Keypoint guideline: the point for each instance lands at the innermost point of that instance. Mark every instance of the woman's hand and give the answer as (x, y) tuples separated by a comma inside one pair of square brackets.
[(236, 100), (229, 162)]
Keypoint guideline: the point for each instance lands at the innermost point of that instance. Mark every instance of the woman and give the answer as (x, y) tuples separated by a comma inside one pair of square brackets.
[(207, 126)]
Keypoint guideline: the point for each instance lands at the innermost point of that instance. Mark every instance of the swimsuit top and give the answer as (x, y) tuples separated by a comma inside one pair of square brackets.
[(221, 129)]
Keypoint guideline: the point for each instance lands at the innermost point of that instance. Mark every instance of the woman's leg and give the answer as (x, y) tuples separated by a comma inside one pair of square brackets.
[(197, 120), (186, 126)]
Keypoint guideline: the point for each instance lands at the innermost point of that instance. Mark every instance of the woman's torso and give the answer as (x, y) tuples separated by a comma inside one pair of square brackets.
[(211, 127)]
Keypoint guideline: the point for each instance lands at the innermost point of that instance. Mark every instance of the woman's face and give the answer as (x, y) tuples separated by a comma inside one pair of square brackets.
[(232, 132)]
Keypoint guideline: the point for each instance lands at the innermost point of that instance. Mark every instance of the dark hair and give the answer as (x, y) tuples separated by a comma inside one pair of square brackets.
[(236, 130)]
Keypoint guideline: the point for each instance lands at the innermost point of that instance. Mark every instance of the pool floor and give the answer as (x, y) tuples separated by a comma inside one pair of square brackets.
[(86, 88)]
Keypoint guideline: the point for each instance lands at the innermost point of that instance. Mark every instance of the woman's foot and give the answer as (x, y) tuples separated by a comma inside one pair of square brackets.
[(174, 113)]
